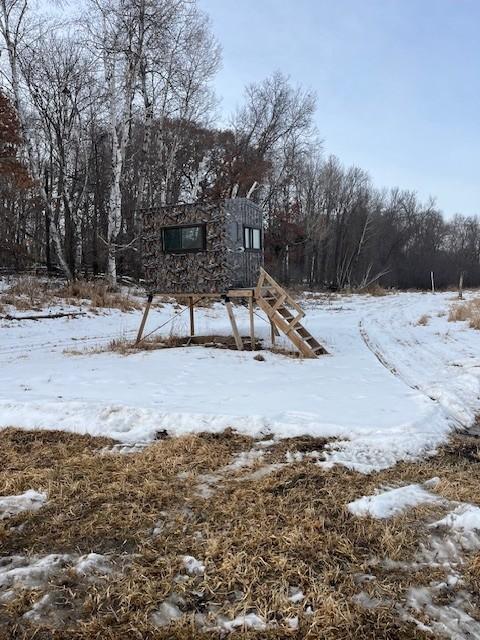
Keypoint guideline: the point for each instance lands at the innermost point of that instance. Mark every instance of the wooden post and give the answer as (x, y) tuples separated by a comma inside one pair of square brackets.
[(272, 333), (460, 287), (192, 317), (144, 319), (252, 323), (233, 322), (433, 281)]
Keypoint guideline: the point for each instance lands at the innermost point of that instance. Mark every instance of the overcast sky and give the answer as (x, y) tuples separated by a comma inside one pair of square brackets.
[(398, 82)]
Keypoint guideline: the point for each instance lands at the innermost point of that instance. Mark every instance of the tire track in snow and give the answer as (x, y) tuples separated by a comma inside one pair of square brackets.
[(375, 350), (425, 355), (381, 357), (60, 344)]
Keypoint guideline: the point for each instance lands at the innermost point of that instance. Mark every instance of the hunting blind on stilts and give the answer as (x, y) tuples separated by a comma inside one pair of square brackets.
[(197, 251)]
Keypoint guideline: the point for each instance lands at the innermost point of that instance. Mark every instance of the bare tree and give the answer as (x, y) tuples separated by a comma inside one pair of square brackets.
[(178, 64), (61, 87), (117, 29), (15, 27)]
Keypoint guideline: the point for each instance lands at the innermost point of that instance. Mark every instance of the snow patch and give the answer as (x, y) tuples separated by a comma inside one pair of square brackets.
[(450, 620), (465, 518), (35, 571), (292, 622), (247, 621), (193, 566), (390, 503), (123, 449), (295, 595), (243, 459), (168, 611), (452, 536), (37, 612), (28, 501), (93, 563), (366, 601)]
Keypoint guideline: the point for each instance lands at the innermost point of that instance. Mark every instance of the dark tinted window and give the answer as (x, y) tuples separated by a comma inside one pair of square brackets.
[(252, 238), (172, 239), (184, 238)]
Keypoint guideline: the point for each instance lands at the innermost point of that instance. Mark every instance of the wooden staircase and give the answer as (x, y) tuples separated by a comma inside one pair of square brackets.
[(285, 315)]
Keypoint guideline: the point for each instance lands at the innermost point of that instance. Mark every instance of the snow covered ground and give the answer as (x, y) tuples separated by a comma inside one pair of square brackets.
[(390, 389)]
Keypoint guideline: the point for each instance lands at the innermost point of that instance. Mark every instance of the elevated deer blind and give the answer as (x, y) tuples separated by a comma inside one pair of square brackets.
[(203, 248)]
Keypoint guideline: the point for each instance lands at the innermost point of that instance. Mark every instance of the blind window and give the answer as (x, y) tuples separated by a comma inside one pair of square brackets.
[(188, 238), (252, 238)]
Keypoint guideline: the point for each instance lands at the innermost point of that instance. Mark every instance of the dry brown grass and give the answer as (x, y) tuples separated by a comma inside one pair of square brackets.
[(27, 286), (99, 294), (256, 537), (30, 293), (466, 312), (301, 444), (423, 320), (321, 296), (27, 293), (375, 290), (125, 346), (285, 351)]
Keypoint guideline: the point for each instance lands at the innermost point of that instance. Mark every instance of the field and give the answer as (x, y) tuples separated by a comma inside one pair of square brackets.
[(196, 492)]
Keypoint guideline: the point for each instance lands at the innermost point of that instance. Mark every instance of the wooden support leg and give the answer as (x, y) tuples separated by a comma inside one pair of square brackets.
[(144, 319), (192, 317), (274, 332), (233, 322), (252, 323)]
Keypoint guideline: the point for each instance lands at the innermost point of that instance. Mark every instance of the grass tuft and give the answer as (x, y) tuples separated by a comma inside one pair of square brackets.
[(27, 293), (376, 290), (100, 294), (31, 293), (423, 320), (466, 312)]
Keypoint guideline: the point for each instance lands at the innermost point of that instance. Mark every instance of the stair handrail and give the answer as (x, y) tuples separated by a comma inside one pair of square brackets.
[(264, 275)]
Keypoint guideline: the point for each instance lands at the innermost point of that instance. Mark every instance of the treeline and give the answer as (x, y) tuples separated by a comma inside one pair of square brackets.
[(114, 112)]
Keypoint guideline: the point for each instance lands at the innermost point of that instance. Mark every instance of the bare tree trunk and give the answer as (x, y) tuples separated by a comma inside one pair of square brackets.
[(120, 125), (147, 137), (114, 207)]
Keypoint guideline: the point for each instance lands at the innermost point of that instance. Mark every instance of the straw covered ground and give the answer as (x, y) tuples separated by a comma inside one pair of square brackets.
[(268, 525)]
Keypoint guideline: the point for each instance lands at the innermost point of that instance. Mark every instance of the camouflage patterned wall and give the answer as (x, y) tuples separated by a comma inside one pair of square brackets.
[(223, 265)]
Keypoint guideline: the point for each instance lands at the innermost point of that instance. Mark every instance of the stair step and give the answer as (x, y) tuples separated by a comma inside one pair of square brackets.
[(279, 307)]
